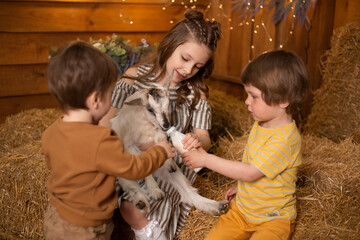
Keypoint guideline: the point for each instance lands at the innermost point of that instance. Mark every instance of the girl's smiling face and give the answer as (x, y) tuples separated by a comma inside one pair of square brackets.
[(186, 61)]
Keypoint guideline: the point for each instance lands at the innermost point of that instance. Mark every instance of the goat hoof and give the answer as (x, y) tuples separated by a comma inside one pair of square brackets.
[(140, 205), (172, 169), (223, 206)]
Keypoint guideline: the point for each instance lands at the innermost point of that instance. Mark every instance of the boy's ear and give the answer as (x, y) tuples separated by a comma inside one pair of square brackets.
[(93, 100), (284, 105)]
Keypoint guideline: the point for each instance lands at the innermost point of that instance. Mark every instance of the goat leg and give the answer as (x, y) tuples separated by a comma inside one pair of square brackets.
[(188, 193), (135, 194), (153, 189)]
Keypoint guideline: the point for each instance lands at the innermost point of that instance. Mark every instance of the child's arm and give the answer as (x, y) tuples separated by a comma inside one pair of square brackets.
[(232, 169), (113, 159)]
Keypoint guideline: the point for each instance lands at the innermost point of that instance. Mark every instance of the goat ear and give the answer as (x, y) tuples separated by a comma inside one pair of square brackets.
[(136, 101), (169, 80)]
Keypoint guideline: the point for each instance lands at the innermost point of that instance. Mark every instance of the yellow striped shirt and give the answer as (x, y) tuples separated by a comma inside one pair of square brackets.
[(276, 153)]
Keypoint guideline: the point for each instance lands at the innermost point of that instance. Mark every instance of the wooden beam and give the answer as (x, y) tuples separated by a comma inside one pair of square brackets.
[(13, 105), (87, 17), (33, 48), (163, 2), (23, 80)]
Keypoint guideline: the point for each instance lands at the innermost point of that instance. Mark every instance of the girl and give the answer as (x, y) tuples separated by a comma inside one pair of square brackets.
[(188, 49)]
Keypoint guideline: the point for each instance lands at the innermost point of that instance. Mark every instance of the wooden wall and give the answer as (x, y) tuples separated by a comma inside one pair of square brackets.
[(235, 50), (29, 28)]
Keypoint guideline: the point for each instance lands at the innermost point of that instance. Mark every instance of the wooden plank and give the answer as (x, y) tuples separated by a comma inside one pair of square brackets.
[(263, 33), (346, 11), (87, 17), (33, 48), (221, 59), (23, 80), (316, 43), (239, 52), (167, 2), (13, 105)]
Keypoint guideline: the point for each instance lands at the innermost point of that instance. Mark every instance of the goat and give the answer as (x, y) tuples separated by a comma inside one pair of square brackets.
[(144, 118)]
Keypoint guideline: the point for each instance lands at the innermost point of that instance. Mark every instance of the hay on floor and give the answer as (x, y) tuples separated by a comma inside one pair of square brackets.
[(230, 116), (328, 187), (336, 110)]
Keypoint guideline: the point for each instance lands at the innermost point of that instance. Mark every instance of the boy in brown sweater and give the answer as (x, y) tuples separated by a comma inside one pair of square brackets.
[(84, 158)]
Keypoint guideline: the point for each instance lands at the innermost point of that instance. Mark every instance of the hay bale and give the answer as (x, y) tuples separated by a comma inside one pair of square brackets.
[(23, 196), (23, 174), (328, 190), (356, 135), (336, 110), (230, 116), (24, 127)]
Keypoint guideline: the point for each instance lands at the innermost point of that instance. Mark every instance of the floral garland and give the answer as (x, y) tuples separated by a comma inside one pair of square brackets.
[(122, 51)]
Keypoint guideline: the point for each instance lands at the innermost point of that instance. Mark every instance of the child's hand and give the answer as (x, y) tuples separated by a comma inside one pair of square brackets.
[(191, 141), (170, 150), (231, 193), (195, 158)]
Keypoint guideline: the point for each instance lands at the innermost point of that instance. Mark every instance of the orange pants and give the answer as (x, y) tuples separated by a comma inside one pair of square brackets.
[(234, 226)]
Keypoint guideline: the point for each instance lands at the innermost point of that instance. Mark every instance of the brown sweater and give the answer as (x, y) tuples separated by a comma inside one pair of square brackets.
[(84, 161)]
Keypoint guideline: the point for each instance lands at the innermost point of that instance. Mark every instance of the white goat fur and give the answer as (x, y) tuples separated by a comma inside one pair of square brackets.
[(135, 125)]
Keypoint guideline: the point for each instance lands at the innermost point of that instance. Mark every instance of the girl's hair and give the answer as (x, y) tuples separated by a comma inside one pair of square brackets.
[(192, 28), (281, 77), (77, 70)]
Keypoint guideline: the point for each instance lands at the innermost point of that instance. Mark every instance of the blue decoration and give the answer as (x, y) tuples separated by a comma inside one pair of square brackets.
[(282, 8)]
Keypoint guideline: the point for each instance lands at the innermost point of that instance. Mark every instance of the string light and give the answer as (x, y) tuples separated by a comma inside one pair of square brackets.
[(249, 5)]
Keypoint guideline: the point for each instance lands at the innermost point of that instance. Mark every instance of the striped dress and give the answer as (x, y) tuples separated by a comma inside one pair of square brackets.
[(276, 153), (169, 212)]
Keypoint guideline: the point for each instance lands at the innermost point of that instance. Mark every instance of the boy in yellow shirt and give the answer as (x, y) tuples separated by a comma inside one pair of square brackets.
[(264, 205), (84, 158)]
